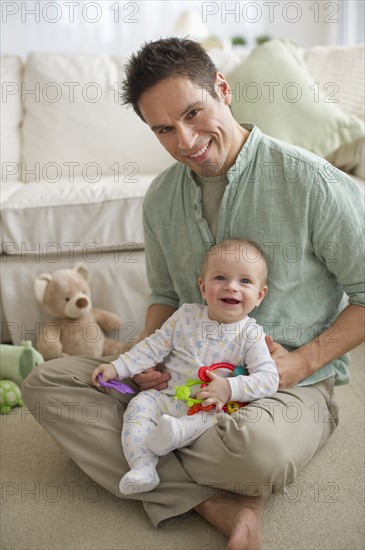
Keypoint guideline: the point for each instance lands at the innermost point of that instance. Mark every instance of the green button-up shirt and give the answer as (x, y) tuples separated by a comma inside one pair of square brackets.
[(308, 218)]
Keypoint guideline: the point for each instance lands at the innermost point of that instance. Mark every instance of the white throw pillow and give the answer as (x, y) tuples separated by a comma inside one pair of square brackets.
[(75, 125)]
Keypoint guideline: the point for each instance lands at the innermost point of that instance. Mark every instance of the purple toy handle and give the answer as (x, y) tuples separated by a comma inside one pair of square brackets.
[(115, 385)]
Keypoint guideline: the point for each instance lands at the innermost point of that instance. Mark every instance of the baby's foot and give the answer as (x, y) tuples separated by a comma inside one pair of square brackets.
[(139, 481), (167, 436)]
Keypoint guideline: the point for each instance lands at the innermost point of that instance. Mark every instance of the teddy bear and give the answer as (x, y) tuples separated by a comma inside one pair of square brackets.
[(18, 361), (76, 327)]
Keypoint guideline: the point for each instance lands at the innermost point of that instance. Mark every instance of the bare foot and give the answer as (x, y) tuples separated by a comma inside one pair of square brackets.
[(236, 516)]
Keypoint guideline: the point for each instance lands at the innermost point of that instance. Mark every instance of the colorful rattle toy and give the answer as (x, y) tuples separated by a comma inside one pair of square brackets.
[(195, 405), (115, 385), (236, 370), (183, 392)]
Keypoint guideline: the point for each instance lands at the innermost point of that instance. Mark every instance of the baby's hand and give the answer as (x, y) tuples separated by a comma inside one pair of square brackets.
[(218, 392), (108, 371)]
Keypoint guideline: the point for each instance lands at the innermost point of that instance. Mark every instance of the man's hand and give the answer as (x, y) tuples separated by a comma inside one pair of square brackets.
[(217, 393), (152, 379), (345, 333), (291, 367)]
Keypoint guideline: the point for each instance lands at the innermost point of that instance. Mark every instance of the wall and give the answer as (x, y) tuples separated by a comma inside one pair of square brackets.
[(120, 27)]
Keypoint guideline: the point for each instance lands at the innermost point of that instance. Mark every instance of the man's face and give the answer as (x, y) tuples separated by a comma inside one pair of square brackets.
[(196, 128)]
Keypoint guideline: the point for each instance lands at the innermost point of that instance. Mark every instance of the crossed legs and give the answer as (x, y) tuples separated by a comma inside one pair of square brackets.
[(253, 453)]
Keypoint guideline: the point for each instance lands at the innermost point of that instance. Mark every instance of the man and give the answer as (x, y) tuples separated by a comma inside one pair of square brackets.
[(230, 181)]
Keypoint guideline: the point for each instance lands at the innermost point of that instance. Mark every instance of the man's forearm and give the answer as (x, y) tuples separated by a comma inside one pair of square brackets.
[(347, 332), (157, 314)]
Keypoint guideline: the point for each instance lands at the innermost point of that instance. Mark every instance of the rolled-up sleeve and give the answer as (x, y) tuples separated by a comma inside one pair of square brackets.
[(339, 229)]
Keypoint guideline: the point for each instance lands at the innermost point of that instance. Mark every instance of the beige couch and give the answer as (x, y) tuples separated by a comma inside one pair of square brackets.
[(76, 165)]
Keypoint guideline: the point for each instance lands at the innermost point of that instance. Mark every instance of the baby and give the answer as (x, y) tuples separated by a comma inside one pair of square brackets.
[(232, 283)]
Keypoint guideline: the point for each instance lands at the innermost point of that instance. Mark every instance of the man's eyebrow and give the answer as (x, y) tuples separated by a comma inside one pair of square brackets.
[(189, 108), (185, 111)]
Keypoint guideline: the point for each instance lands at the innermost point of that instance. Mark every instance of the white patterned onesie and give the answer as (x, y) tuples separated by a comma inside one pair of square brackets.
[(154, 422)]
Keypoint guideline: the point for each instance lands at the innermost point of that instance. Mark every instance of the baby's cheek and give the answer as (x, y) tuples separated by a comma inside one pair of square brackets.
[(211, 293)]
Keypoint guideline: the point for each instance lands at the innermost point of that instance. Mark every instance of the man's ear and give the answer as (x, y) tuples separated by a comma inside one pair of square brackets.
[(223, 89)]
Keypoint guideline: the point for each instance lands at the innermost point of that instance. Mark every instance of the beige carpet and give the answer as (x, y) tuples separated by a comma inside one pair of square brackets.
[(48, 503)]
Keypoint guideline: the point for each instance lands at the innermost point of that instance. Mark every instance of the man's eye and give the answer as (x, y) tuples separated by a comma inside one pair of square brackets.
[(193, 113), (164, 130)]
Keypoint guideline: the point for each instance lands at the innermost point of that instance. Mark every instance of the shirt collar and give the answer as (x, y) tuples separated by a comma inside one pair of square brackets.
[(218, 331)]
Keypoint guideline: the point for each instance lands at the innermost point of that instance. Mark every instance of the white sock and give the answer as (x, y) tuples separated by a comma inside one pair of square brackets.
[(139, 481), (167, 436)]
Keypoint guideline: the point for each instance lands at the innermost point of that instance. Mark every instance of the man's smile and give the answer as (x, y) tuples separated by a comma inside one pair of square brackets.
[(202, 153)]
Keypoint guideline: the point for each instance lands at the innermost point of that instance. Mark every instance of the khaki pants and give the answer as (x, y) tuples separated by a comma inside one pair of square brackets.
[(256, 451)]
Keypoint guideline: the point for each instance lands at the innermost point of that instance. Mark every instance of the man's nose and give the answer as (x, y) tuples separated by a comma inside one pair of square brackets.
[(187, 137)]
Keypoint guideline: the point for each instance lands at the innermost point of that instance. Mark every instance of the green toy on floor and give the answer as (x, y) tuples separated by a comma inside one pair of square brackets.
[(10, 396), (16, 362)]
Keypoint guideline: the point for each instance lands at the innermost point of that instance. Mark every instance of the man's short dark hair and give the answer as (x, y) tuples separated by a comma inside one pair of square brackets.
[(164, 58)]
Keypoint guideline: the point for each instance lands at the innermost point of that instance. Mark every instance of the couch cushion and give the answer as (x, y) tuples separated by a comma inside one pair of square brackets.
[(74, 115), (274, 90), (341, 69), (342, 66), (11, 116), (66, 218)]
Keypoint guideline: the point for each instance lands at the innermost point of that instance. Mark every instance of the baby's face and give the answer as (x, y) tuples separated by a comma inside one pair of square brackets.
[(232, 285)]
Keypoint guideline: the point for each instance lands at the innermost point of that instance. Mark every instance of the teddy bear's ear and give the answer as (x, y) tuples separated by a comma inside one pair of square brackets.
[(40, 285), (80, 268)]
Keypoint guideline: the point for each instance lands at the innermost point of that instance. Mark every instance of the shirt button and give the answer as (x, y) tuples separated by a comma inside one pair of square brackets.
[(195, 207)]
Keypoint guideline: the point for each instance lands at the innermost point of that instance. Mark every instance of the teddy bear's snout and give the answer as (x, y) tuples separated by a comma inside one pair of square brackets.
[(78, 306), (82, 302)]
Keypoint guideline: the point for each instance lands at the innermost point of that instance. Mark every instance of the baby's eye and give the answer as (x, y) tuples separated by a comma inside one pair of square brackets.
[(245, 281), (219, 278)]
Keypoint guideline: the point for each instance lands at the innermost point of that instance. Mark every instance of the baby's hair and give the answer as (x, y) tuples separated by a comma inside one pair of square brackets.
[(240, 244)]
